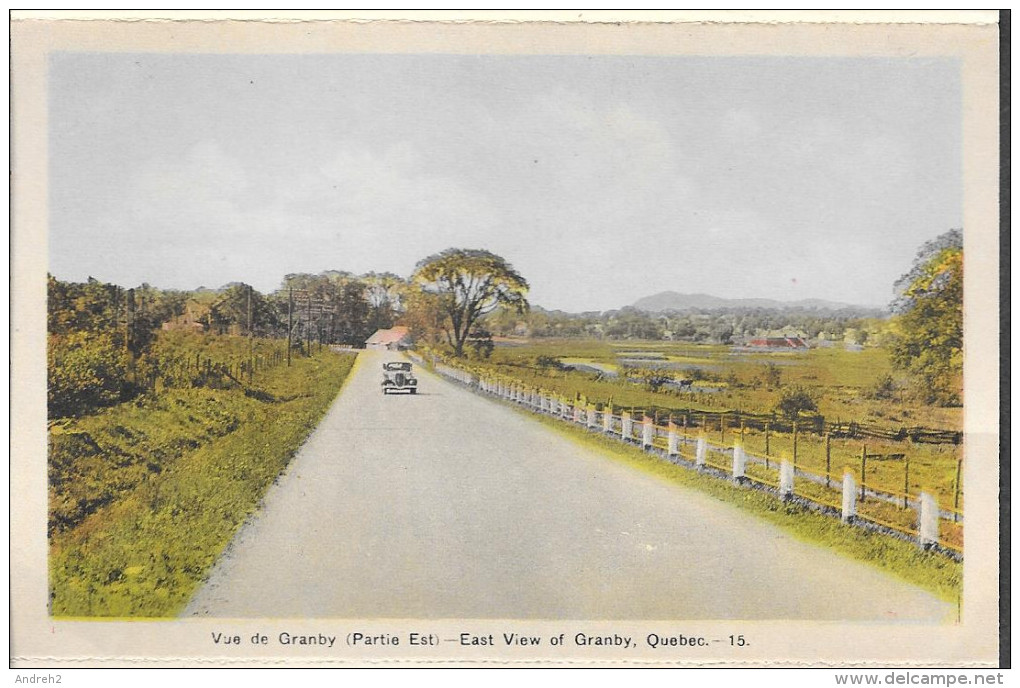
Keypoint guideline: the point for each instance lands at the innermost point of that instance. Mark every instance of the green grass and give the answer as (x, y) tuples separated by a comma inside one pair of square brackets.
[(166, 483), (934, 572), (837, 377)]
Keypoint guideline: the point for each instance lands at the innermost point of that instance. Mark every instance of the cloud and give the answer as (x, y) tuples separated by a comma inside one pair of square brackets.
[(601, 180), (202, 219)]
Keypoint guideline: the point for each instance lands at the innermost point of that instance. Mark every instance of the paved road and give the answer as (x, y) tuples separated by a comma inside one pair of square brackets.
[(449, 505)]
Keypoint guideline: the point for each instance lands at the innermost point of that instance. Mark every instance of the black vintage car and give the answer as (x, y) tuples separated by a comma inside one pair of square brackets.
[(397, 377)]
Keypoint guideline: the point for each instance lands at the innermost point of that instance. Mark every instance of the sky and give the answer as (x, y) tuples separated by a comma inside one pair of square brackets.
[(601, 179)]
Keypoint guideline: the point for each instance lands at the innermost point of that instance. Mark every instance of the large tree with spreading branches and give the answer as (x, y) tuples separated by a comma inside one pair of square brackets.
[(469, 284)]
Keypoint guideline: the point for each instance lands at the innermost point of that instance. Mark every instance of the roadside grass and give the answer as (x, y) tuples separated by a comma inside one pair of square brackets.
[(934, 572), (172, 479)]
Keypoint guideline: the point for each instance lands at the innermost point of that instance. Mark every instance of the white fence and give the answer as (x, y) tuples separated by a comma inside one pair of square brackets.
[(674, 445)]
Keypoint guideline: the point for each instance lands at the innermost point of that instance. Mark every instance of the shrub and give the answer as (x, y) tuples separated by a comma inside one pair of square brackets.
[(84, 372), (883, 388), (794, 401), (771, 376)]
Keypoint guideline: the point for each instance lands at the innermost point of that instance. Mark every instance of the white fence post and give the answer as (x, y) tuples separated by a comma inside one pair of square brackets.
[(674, 441), (627, 433), (849, 497), (592, 421), (739, 462), (647, 432), (607, 419), (577, 413), (928, 520), (785, 479), (702, 453)]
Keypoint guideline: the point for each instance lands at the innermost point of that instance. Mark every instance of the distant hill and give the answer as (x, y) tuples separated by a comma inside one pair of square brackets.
[(675, 301)]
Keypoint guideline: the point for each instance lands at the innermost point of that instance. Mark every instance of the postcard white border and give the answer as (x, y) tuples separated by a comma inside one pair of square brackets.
[(38, 640)]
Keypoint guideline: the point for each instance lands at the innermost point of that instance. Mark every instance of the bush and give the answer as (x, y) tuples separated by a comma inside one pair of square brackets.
[(771, 376), (794, 401), (883, 388), (481, 343), (653, 379), (84, 372)]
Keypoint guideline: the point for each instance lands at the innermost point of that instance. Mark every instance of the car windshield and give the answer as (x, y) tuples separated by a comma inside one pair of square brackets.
[(397, 366)]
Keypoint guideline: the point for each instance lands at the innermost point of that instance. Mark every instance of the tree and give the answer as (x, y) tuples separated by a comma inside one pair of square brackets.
[(927, 339), (422, 315), (352, 314), (382, 290), (469, 284), (794, 401), (231, 309)]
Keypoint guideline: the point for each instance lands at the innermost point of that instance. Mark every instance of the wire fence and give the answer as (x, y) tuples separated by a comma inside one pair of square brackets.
[(208, 368), (914, 516)]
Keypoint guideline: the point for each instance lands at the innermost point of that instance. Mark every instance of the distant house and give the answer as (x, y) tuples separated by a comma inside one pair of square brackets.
[(189, 320), (778, 343), (389, 340)]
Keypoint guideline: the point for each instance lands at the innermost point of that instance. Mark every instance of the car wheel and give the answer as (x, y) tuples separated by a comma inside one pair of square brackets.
[(414, 391)]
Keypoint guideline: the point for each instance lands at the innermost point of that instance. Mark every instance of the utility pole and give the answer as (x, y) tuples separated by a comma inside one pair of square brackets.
[(290, 321), (308, 324), (251, 342), (129, 305)]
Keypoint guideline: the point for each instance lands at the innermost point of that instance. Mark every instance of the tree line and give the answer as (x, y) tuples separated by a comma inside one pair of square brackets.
[(101, 337), (709, 326), (458, 299)]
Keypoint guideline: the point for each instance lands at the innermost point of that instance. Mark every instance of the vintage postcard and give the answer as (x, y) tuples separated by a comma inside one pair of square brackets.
[(577, 339)]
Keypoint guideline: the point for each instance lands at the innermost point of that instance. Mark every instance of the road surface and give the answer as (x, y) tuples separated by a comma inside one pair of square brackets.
[(449, 505)]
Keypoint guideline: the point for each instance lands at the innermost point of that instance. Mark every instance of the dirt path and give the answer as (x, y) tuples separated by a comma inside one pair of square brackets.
[(448, 505)]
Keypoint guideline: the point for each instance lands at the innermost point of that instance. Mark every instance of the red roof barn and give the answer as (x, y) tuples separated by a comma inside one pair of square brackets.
[(389, 340), (778, 343)]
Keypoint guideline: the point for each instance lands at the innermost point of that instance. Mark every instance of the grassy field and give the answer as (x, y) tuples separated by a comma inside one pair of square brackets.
[(839, 380), (145, 495), (939, 574)]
